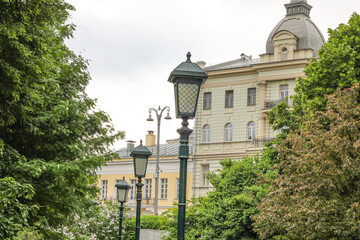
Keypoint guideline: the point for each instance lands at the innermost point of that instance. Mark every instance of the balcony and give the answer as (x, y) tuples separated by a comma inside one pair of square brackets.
[(259, 142), (271, 104)]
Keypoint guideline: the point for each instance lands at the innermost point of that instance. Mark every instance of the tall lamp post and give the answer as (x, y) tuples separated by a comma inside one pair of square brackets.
[(140, 155), (122, 192), (187, 79), (158, 113)]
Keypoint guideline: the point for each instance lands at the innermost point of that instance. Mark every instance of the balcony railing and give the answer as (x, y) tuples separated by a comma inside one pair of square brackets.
[(273, 103), (257, 142)]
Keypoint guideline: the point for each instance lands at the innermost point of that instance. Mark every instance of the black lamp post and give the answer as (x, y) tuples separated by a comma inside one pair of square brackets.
[(140, 155), (158, 113), (187, 79), (122, 192)]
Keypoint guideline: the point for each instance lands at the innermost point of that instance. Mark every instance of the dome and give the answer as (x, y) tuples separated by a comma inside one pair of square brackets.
[(298, 1), (298, 23)]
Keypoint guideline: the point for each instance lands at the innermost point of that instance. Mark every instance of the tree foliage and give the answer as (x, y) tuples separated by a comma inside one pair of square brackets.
[(225, 212), (317, 194), (51, 136)]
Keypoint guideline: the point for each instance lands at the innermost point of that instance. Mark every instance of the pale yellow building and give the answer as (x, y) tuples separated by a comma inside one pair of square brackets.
[(234, 102), (168, 178)]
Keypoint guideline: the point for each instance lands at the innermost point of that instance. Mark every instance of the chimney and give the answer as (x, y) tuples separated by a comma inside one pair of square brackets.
[(130, 146), (150, 139), (201, 64)]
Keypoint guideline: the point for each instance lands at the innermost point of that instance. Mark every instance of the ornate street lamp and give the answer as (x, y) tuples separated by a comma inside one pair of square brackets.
[(140, 155), (187, 79), (122, 192), (158, 113)]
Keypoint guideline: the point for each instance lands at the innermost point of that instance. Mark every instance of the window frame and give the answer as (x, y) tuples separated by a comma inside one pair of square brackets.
[(251, 130), (206, 133), (177, 188), (229, 98), (228, 132), (284, 54), (207, 101), (284, 92), (132, 195), (251, 97), (147, 188), (163, 188), (205, 169), (104, 189)]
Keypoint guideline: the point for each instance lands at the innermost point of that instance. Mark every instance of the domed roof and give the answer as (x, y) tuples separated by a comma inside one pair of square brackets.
[(298, 23), (297, 1)]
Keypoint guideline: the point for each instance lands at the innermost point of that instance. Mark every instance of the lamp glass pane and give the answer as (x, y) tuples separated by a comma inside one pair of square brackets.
[(122, 194), (140, 167), (187, 97)]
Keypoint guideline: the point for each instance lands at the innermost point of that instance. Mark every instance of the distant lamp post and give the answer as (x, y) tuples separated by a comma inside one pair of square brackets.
[(122, 192), (140, 155), (187, 79), (158, 113)]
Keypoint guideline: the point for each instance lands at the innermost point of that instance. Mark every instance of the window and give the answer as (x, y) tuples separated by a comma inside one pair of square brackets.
[(147, 189), (206, 134), (251, 97), (229, 98), (104, 186), (284, 92), (251, 130), (177, 188), (284, 54), (207, 101), (132, 189), (163, 188), (228, 132), (205, 171)]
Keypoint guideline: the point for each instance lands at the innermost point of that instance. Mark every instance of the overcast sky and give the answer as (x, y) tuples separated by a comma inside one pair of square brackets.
[(133, 45)]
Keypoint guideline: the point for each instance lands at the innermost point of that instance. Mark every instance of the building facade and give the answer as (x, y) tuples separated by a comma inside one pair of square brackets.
[(116, 169), (235, 100)]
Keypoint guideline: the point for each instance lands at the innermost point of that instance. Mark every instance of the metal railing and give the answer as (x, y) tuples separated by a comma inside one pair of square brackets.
[(271, 104), (256, 142)]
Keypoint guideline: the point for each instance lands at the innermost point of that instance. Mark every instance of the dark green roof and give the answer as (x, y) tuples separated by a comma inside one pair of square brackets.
[(187, 69), (141, 150)]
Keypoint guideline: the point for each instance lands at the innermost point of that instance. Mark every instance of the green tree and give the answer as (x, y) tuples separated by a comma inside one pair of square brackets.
[(225, 212), (51, 136), (338, 67), (317, 194)]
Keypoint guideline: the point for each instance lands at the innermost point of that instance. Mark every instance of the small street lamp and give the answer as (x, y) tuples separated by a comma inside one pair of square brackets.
[(140, 155), (187, 79), (158, 113), (122, 192)]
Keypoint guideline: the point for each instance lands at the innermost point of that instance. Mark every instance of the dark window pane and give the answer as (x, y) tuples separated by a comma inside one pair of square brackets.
[(207, 100), (251, 96), (229, 99)]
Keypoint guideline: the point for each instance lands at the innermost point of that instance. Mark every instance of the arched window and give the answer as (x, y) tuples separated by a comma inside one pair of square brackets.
[(206, 133), (284, 54), (251, 130), (228, 132)]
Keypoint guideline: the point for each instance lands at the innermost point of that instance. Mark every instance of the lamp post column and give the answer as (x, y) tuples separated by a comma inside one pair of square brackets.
[(121, 219), (158, 113), (184, 132), (139, 186), (157, 170)]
